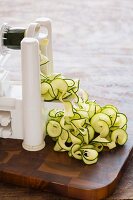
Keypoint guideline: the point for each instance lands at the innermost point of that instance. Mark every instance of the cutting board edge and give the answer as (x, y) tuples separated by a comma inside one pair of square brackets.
[(68, 190), (110, 187)]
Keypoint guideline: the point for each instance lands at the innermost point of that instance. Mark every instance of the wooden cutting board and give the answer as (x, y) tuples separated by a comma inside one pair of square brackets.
[(56, 172)]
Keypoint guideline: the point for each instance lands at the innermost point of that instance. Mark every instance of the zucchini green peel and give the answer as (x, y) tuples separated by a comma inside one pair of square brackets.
[(83, 128), (57, 87)]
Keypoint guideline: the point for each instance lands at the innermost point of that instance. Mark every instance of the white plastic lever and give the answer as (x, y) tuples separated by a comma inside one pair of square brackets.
[(32, 30), (31, 101)]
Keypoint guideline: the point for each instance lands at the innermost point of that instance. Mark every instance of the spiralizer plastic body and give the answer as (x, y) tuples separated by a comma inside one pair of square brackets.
[(21, 107)]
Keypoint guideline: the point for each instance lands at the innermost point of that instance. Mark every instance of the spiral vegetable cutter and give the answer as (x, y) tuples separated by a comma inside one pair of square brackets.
[(22, 113)]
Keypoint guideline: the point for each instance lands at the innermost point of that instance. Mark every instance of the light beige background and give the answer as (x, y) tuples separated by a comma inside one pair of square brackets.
[(93, 41)]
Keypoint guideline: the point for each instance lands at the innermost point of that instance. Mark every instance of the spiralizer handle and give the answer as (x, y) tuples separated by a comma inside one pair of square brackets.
[(31, 96)]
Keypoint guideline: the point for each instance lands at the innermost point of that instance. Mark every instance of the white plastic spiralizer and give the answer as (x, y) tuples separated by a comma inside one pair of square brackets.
[(22, 114)]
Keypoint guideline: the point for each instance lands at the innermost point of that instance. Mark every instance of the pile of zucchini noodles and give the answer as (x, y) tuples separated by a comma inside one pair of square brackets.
[(83, 128)]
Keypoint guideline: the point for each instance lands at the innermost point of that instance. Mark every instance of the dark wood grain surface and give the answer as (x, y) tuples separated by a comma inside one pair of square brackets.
[(93, 41), (56, 172)]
